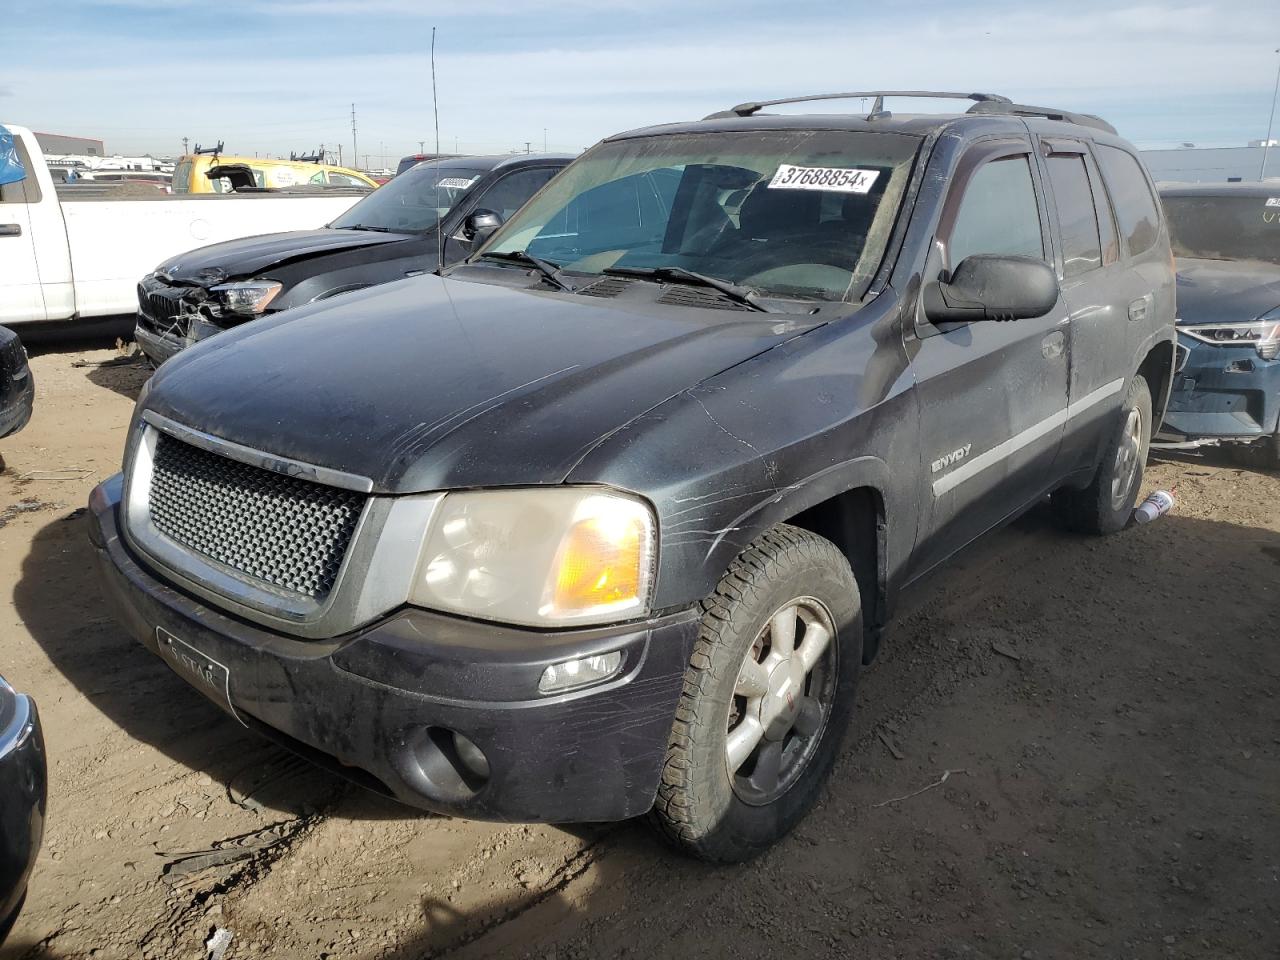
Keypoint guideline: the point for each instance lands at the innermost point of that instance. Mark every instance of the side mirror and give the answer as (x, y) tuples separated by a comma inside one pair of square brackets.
[(987, 287), (480, 225)]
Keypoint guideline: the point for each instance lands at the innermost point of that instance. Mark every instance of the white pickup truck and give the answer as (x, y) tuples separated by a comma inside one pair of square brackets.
[(81, 255)]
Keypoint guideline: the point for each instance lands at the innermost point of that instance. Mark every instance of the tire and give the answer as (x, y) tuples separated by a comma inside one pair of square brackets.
[(701, 807), (1106, 505), (1261, 454)]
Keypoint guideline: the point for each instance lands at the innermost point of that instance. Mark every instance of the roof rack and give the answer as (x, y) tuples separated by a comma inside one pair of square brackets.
[(877, 107), (1049, 113), (984, 103)]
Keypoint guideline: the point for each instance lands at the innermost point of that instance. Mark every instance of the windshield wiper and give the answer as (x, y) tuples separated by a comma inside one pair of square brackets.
[(365, 226), (549, 270), (738, 294)]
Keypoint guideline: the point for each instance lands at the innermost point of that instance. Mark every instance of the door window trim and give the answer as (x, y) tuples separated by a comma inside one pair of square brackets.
[(978, 155)]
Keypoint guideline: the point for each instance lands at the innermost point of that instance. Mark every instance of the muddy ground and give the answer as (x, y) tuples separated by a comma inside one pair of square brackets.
[(1108, 710)]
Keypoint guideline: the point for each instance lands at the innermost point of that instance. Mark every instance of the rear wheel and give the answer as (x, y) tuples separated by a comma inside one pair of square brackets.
[(767, 697), (1107, 503)]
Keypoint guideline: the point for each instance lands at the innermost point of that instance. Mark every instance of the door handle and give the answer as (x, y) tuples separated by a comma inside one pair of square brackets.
[(1138, 308), (10, 229)]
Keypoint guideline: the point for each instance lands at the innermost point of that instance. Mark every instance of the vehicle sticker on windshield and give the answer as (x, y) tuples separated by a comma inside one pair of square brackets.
[(457, 183), (839, 179), (1273, 201)]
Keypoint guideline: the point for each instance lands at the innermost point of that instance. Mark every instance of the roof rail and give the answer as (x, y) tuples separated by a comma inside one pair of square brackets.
[(1049, 113), (747, 109)]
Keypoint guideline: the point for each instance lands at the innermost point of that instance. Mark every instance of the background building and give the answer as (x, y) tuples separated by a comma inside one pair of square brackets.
[(56, 143), (1211, 164)]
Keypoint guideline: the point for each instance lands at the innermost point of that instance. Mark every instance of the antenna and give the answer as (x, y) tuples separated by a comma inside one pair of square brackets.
[(435, 110), (355, 149)]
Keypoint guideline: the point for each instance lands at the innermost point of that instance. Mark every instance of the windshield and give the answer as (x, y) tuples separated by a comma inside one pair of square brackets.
[(413, 202), (1225, 228), (787, 213)]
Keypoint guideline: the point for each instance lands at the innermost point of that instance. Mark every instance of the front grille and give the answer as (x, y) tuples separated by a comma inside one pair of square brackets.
[(284, 531)]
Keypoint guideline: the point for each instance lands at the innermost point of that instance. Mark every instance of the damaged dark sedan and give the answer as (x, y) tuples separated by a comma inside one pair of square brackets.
[(428, 217), (1226, 238)]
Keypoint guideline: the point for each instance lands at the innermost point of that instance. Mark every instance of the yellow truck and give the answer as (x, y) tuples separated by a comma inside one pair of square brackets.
[(190, 174)]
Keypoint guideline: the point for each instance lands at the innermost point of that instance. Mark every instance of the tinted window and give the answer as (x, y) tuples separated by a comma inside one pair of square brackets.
[(1225, 228), (1131, 194), (1077, 216), (182, 177), (998, 213), (514, 190), (345, 180)]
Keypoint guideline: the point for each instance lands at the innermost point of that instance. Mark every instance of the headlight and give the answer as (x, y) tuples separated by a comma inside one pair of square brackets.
[(542, 557), (1262, 334), (249, 298)]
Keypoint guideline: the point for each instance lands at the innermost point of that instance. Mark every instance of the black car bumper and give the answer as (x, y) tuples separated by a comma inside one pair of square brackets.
[(382, 706), (158, 347), (22, 799), (17, 385)]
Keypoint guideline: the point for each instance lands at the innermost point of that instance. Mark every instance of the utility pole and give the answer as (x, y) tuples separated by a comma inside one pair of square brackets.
[(355, 150), (340, 155), (544, 139), (527, 145), (422, 146), (1266, 144), (184, 146), (366, 161)]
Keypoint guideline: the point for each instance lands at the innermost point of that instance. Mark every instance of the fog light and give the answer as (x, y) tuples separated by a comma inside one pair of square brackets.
[(578, 673)]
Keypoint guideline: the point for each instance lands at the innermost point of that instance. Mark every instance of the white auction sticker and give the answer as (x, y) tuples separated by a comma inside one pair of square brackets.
[(1273, 201), (457, 183), (839, 179)]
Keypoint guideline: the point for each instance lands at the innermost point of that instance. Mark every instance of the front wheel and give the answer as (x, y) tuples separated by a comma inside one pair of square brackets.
[(1107, 503), (767, 697)]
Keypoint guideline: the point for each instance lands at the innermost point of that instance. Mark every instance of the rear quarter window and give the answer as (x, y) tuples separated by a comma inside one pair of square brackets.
[(1131, 197)]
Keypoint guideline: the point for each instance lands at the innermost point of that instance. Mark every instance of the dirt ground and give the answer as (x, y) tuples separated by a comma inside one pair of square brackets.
[(1108, 710)]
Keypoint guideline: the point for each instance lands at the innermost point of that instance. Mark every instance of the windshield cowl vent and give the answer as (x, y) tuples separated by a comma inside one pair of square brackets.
[(608, 287), (708, 299)]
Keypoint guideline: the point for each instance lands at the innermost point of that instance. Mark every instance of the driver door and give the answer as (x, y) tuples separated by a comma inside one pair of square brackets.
[(992, 395)]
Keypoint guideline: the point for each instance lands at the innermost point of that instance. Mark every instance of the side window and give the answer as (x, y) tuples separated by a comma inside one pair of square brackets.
[(26, 190), (1077, 216), (998, 213), (514, 190), (344, 180), (1106, 216), (1131, 194)]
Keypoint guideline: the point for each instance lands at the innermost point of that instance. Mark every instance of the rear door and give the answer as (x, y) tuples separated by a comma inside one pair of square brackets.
[(1098, 294), (21, 296), (992, 396)]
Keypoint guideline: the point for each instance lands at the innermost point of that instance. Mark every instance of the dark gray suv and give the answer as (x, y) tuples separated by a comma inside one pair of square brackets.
[(606, 519)]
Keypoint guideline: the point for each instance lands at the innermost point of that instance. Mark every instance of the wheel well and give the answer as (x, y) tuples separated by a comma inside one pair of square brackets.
[(854, 522), (1157, 369)]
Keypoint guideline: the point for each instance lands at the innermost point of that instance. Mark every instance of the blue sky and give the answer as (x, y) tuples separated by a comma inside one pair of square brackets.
[(280, 75)]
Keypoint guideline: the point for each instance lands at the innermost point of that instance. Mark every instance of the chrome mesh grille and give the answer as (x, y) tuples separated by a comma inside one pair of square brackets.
[(284, 531)]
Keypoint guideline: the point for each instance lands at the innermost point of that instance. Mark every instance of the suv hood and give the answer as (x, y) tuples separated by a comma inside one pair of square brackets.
[(1226, 291), (434, 384), (250, 255)]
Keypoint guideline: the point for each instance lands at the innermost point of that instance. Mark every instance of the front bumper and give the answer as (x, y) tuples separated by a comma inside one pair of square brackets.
[(1224, 392), (22, 803), (16, 403), (379, 705)]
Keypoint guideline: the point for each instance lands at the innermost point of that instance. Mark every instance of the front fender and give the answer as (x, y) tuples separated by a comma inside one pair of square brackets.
[(825, 413)]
